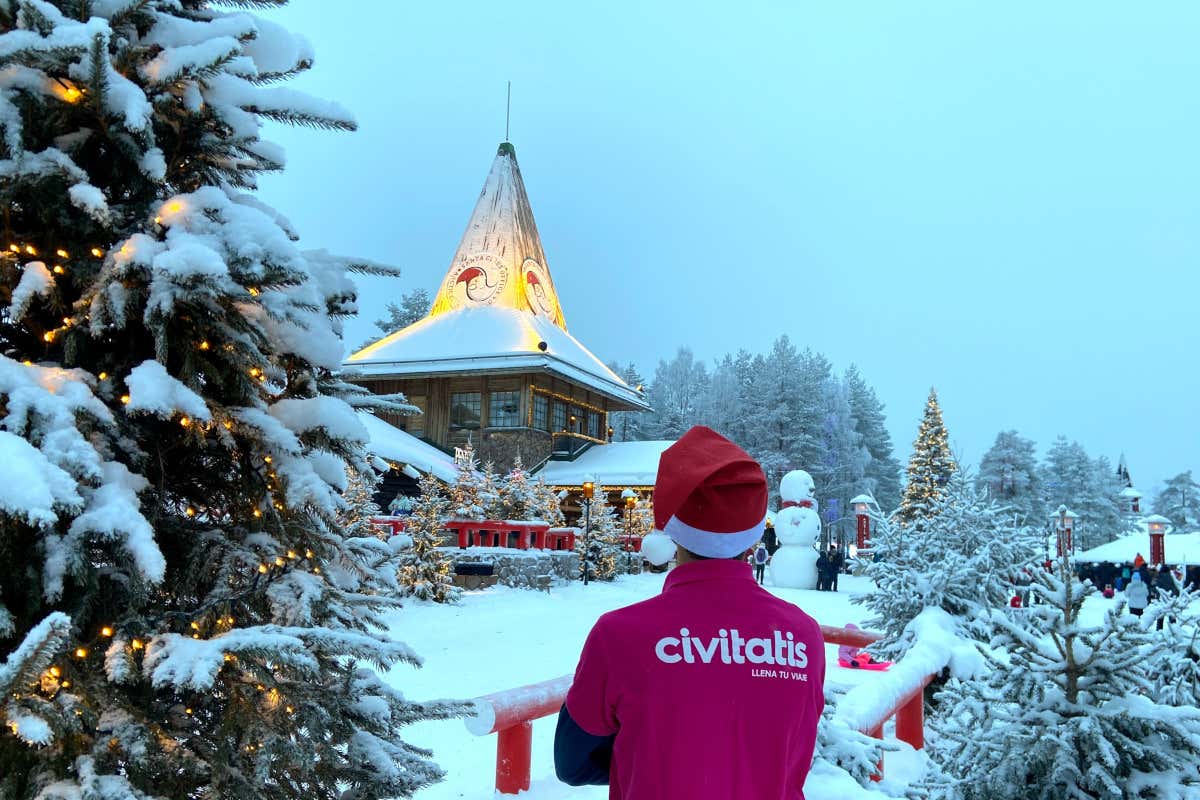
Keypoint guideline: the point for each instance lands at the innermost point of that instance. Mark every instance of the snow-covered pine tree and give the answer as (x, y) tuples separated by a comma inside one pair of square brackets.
[(181, 612), (520, 498), (1090, 488), (599, 546), (413, 306), (1008, 470), (1179, 501), (930, 466), (962, 557), (881, 475), (628, 425), (1068, 710), (468, 494), (425, 570), (548, 505), (491, 492)]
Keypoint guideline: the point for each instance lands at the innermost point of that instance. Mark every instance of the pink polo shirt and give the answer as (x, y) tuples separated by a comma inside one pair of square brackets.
[(713, 688)]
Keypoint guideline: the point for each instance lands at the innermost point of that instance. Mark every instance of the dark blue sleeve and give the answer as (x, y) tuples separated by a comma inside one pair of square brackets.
[(580, 759)]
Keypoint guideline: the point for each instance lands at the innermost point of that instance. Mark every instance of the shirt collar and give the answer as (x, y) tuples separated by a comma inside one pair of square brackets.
[(711, 569)]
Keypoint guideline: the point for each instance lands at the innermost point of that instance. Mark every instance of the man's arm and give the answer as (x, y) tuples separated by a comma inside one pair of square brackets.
[(587, 723), (580, 759)]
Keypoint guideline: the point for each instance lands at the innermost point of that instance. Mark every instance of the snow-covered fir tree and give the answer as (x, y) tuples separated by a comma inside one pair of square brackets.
[(1008, 471), (628, 425), (881, 475), (519, 499), (425, 570), (930, 466), (547, 505), (470, 496), (181, 612), (1179, 501), (676, 395), (413, 306), (1090, 488), (1068, 710), (963, 557), (599, 545)]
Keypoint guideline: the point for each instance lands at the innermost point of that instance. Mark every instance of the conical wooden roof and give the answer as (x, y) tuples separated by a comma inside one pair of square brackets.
[(500, 261)]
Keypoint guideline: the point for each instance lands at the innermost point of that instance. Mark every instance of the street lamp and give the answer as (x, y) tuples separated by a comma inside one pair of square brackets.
[(630, 498), (1065, 530), (589, 490), (862, 512), (1158, 528)]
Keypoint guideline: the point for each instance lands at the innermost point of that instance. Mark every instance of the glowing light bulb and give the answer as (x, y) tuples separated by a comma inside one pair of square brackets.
[(137, 644), (81, 652), (58, 269), (191, 512), (55, 671), (204, 345), (31, 250), (97, 252), (184, 421), (279, 562), (48, 336), (16, 248), (187, 711), (62, 253), (257, 513), (103, 376), (262, 568), (125, 399), (106, 631), (267, 459)]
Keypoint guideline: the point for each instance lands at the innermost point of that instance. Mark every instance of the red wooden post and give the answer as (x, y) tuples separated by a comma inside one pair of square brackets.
[(514, 749), (462, 536), (877, 733), (864, 532), (910, 721)]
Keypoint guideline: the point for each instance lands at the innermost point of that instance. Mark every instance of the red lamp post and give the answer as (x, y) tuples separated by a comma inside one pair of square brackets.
[(1158, 529), (862, 512), (1066, 530)]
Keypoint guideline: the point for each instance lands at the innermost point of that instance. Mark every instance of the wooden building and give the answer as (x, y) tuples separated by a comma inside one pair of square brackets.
[(493, 360)]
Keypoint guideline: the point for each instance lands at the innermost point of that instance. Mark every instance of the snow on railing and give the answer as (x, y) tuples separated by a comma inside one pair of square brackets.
[(899, 693)]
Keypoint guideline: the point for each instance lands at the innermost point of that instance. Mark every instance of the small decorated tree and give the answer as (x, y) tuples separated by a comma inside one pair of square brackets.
[(548, 505), (425, 570), (519, 498), (468, 494), (599, 546)]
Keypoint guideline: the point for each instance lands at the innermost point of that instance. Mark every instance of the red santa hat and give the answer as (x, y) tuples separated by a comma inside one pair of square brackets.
[(710, 497)]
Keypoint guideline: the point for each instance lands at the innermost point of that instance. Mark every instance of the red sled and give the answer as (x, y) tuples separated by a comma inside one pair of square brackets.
[(864, 661)]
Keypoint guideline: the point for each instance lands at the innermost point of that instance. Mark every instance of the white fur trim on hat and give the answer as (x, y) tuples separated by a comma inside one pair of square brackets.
[(709, 544)]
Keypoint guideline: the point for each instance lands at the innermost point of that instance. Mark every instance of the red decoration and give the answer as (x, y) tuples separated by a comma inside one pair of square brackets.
[(864, 532)]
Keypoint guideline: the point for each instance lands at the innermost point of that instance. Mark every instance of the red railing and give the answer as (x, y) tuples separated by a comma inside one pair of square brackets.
[(510, 715)]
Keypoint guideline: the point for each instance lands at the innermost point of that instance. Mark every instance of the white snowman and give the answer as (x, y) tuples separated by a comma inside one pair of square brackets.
[(797, 527)]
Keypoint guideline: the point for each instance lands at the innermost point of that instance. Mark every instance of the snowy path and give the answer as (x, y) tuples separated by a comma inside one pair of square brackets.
[(502, 638)]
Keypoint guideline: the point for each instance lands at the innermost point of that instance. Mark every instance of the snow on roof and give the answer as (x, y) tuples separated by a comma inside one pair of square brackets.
[(1178, 548), (388, 441), (487, 339), (620, 464), (1131, 492)]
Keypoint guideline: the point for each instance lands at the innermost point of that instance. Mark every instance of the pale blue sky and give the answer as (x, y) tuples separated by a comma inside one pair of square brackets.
[(998, 199)]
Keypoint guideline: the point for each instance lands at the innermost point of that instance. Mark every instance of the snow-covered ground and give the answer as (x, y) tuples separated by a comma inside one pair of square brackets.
[(502, 638)]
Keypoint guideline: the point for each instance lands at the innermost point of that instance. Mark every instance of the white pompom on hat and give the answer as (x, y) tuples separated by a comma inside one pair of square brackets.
[(710, 496)]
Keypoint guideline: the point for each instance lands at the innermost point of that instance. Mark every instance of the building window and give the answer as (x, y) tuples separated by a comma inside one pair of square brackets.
[(541, 412), (577, 420), (593, 428), (464, 411), (504, 410), (560, 417)]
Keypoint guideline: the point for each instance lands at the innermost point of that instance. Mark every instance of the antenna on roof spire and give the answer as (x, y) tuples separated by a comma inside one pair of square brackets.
[(507, 110)]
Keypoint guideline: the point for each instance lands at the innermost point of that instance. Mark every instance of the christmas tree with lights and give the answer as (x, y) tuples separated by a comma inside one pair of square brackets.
[(469, 493), (425, 570), (547, 505), (183, 612), (598, 546), (930, 467)]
